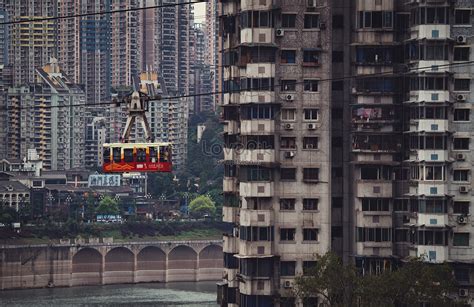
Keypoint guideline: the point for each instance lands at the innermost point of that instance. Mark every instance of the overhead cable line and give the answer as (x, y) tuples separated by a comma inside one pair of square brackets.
[(364, 76)]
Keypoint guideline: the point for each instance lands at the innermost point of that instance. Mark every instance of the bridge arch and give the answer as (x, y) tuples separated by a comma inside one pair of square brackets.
[(119, 266), (151, 265), (182, 263), (210, 256), (87, 267)]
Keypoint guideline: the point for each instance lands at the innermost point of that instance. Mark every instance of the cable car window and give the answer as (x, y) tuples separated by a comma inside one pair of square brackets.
[(141, 155), (128, 155), (106, 155), (153, 154), (117, 154), (163, 154)]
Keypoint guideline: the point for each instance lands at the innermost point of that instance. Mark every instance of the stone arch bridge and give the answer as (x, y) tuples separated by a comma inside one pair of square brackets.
[(109, 263)]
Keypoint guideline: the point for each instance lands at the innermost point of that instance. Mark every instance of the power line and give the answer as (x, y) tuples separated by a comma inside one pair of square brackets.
[(102, 12), (408, 71)]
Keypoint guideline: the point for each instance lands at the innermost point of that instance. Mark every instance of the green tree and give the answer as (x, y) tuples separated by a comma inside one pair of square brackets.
[(201, 206), (108, 205), (8, 215)]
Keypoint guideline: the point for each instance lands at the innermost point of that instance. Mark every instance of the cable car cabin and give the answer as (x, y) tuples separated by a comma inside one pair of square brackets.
[(137, 157)]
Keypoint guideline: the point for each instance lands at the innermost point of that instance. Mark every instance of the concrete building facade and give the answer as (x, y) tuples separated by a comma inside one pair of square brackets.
[(372, 96), (277, 155)]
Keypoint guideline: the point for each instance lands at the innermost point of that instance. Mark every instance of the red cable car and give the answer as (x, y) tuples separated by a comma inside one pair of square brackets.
[(128, 157)]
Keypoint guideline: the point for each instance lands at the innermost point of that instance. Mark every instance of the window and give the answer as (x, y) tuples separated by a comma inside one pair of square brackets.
[(287, 142), (375, 204), (288, 20), (337, 56), (367, 234), (288, 114), (310, 57), (287, 234), (310, 234), (461, 53), (311, 21), (128, 154), (462, 17), (461, 275), (461, 175), (337, 21), (116, 153), (288, 85), (311, 174), (288, 174), (310, 142), (256, 19), (310, 85), (288, 56), (141, 155), (310, 204), (308, 266), (375, 19), (287, 268), (462, 114), (258, 174), (248, 233), (311, 114), (461, 144), (287, 203), (461, 207), (462, 85), (461, 239)]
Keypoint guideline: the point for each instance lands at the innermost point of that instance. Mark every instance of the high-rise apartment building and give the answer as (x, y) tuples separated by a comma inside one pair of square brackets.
[(31, 43), (41, 117), (125, 42), (353, 127), (213, 47), (202, 80), (69, 51), (3, 35), (277, 136), (95, 57)]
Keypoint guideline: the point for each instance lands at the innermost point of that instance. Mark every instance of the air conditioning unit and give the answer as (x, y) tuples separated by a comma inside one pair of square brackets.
[(461, 98), (462, 219), (289, 97), (461, 39), (460, 157), (463, 292), (280, 32), (311, 126), (287, 284), (289, 126), (289, 154), (463, 189)]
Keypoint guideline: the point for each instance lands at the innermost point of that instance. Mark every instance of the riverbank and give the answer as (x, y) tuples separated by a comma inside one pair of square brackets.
[(193, 294), (99, 262)]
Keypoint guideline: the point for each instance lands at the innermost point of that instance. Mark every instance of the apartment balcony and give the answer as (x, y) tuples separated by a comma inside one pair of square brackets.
[(380, 249), (429, 125), (256, 189), (429, 96), (433, 219), (261, 218), (231, 98), (230, 185), (251, 36), (259, 127), (257, 156), (230, 154), (373, 218), (431, 31), (254, 287), (253, 5), (429, 155), (430, 188), (257, 96), (230, 214), (432, 253), (260, 70), (230, 245), (256, 248), (430, 66), (231, 127), (374, 188)]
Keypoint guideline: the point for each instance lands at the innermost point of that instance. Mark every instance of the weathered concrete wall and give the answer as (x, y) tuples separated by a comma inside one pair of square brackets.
[(68, 265)]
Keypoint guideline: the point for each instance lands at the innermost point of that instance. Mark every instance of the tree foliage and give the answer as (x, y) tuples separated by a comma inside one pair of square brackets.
[(108, 205), (8, 215), (202, 205), (413, 283)]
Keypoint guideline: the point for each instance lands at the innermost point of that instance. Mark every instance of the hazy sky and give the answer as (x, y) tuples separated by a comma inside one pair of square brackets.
[(200, 12)]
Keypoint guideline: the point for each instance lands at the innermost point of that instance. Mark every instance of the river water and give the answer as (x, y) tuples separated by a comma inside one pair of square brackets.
[(202, 294)]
